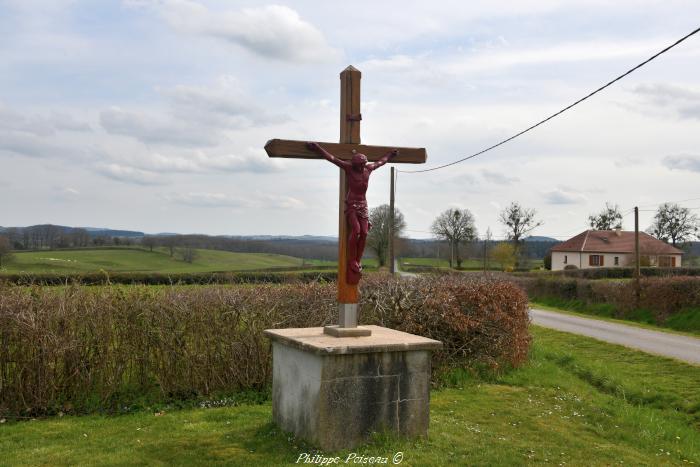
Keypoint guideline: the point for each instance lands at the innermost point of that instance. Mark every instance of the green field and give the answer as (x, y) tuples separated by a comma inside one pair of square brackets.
[(443, 263), (132, 259), (577, 402), (139, 260)]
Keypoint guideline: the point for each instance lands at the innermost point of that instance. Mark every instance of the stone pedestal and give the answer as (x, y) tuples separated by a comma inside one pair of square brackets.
[(335, 391)]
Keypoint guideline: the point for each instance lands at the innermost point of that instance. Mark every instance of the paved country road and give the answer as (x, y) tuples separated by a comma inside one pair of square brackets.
[(660, 343)]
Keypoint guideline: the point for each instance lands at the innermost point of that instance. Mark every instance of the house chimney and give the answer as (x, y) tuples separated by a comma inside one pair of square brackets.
[(618, 231)]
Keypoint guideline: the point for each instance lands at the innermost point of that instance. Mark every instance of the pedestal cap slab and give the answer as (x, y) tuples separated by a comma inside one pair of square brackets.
[(381, 340)]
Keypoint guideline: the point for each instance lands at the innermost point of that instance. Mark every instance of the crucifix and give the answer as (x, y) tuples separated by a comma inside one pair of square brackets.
[(356, 162)]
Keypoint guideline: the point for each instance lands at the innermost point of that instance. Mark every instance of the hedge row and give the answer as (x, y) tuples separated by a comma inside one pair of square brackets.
[(80, 349), (662, 296), (620, 273), (153, 278)]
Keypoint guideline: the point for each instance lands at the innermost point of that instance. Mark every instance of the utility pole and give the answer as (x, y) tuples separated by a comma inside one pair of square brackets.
[(391, 223), (637, 272)]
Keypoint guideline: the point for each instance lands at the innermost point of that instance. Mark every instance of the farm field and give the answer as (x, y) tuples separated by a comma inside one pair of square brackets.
[(570, 405), (140, 260)]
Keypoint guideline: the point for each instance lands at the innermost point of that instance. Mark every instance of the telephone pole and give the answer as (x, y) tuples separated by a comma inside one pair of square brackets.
[(637, 272), (392, 269)]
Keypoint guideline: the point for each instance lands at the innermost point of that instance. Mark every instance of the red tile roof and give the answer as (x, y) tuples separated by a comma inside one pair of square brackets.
[(611, 241)]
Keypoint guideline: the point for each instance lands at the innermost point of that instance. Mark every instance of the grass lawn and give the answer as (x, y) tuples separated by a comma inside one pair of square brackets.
[(577, 402), (139, 260)]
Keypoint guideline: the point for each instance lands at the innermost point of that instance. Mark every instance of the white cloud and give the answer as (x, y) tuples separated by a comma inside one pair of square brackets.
[(129, 174), (224, 200), (251, 161), (195, 116), (683, 100), (209, 200), (154, 129), (563, 196), (39, 125), (687, 162), (272, 31), (498, 177)]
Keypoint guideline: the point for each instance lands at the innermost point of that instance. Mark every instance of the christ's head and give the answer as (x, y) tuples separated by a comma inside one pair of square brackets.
[(358, 160)]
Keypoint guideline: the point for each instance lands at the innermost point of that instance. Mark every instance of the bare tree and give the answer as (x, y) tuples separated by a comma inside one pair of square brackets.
[(378, 237), (5, 249), (675, 223), (609, 218), (486, 244), (518, 221), (188, 253), (149, 242), (455, 226)]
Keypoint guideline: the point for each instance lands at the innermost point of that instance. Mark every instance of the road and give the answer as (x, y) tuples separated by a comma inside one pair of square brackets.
[(676, 346), (402, 273)]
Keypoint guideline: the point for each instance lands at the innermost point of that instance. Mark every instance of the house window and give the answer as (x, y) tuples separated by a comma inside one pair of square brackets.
[(666, 261), (595, 260), (566, 259), (617, 260)]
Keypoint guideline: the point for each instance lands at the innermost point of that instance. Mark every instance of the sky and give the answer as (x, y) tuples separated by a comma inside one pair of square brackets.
[(152, 115)]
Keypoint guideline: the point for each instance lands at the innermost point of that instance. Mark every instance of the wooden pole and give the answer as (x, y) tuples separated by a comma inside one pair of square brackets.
[(637, 271), (392, 258), (349, 133)]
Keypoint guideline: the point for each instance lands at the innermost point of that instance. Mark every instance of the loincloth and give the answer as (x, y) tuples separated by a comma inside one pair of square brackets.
[(358, 208)]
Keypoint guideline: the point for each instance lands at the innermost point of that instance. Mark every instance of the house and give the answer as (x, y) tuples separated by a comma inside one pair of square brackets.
[(612, 249)]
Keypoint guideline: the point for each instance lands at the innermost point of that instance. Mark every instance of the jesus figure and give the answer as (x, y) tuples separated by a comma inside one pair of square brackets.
[(357, 173)]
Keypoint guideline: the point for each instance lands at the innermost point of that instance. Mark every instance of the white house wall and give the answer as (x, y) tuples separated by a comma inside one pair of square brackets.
[(581, 260)]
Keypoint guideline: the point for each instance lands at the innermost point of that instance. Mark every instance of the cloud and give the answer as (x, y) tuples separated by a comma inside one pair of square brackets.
[(563, 196), (683, 100), (625, 162), (222, 106), (129, 174), (272, 31), (498, 177), (154, 129), (209, 200), (31, 145), (195, 116), (66, 193), (39, 125), (687, 162), (252, 161), (223, 200)]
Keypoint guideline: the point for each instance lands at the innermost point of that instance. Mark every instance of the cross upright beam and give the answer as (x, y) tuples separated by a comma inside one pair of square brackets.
[(350, 118)]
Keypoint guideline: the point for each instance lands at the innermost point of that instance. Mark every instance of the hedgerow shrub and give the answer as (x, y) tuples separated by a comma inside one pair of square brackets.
[(615, 273), (81, 349), (661, 296), (188, 278)]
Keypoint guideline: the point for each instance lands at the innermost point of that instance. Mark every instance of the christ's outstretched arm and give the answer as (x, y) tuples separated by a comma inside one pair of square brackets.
[(385, 158), (327, 155)]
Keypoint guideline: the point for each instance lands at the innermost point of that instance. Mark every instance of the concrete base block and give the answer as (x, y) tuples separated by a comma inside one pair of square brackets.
[(335, 391)]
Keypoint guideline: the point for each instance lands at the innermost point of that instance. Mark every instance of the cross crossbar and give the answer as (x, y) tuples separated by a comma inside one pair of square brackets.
[(297, 150)]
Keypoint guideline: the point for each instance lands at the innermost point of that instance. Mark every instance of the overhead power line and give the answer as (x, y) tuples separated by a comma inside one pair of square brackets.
[(591, 94)]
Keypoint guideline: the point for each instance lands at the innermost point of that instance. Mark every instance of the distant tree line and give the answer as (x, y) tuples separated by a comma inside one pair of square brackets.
[(47, 236)]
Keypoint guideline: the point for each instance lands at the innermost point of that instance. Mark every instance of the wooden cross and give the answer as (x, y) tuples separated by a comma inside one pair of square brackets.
[(350, 118)]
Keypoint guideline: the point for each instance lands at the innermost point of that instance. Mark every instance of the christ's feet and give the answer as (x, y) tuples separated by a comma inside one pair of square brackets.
[(355, 266)]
